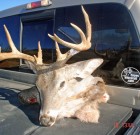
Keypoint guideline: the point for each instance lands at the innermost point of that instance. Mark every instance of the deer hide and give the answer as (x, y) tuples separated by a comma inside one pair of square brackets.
[(60, 89)]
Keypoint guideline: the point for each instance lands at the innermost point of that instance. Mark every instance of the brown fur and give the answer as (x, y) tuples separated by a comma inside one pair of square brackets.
[(89, 112), (91, 92)]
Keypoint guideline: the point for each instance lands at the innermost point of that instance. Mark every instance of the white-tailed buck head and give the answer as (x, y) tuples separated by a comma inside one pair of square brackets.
[(65, 90)]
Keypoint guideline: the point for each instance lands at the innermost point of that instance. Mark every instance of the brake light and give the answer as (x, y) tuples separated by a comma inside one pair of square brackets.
[(39, 4)]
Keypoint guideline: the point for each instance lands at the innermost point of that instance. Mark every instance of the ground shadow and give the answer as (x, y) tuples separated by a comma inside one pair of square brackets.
[(31, 111)]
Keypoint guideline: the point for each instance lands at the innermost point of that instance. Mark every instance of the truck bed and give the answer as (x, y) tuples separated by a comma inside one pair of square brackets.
[(18, 119)]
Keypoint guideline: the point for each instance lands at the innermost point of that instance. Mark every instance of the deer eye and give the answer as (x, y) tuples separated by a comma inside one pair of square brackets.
[(62, 84), (79, 79)]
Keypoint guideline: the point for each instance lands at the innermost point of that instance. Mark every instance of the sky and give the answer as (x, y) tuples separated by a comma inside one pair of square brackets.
[(5, 4)]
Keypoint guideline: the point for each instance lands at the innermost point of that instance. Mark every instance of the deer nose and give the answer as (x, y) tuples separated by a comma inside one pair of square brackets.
[(47, 120)]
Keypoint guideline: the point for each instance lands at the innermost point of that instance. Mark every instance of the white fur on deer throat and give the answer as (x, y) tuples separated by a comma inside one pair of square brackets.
[(69, 109)]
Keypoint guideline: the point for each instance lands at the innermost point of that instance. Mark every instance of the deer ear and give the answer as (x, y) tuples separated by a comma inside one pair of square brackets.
[(89, 66), (31, 65), (84, 68)]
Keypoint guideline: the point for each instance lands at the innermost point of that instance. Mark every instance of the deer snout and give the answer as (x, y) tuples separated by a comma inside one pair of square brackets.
[(47, 120)]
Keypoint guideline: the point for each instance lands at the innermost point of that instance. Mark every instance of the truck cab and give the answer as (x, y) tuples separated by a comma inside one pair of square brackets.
[(115, 39)]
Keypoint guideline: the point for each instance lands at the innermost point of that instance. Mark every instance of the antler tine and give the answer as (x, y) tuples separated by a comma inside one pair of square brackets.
[(10, 41), (88, 25), (103, 55), (60, 56), (17, 54), (85, 44), (129, 42), (39, 59)]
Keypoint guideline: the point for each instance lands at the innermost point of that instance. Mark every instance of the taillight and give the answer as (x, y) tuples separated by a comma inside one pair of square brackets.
[(39, 4)]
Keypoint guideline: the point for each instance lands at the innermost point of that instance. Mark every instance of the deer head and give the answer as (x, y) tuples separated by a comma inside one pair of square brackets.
[(65, 90)]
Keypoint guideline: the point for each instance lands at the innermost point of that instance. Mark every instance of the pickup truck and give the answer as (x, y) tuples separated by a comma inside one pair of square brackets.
[(115, 39)]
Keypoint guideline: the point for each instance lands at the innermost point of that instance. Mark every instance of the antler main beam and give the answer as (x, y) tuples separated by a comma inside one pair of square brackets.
[(16, 54), (85, 43)]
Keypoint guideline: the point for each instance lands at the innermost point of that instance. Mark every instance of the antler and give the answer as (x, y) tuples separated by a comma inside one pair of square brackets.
[(76, 48), (16, 54), (103, 55), (129, 43), (107, 55)]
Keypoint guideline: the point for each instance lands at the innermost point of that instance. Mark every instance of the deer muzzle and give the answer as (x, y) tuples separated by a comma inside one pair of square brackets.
[(49, 118), (47, 121)]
